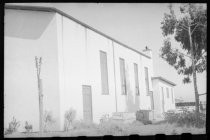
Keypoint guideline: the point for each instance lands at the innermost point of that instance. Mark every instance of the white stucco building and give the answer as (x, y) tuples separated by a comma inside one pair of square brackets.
[(163, 94), (82, 69)]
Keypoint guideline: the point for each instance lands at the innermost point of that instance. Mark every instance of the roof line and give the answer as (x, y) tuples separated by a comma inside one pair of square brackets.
[(163, 79), (53, 9)]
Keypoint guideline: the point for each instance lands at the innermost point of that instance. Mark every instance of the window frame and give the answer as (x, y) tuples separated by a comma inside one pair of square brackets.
[(167, 92), (104, 90), (172, 95), (136, 78), (146, 75), (123, 76)]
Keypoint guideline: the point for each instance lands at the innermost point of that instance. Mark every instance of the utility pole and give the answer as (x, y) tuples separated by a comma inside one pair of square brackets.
[(38, 62)]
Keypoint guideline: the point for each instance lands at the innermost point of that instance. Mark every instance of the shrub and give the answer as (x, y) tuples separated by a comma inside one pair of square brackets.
[(104, 118), (83, 125), (69, 117), (13, 126), (28, 127), (112, 127), (185, 117), (48, 120)]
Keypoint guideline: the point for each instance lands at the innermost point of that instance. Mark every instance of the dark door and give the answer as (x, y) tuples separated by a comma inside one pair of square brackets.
[(87, 103)]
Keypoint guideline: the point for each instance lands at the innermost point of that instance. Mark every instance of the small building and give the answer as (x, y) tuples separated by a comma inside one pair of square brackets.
[(82, 69), (163, 94)]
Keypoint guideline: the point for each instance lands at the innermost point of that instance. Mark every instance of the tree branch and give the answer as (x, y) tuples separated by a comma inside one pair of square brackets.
[(181, 26), (182, 54), (184, 26), (195, 27)]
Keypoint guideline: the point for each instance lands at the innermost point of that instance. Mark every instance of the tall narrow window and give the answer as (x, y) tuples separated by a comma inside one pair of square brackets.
[(104, 73), (136, 78), (163, 100), (146, 79), (167, 90), (172, 95), (122, 75)]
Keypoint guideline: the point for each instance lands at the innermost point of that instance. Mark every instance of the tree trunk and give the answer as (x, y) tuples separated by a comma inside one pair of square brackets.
[(194, 75)]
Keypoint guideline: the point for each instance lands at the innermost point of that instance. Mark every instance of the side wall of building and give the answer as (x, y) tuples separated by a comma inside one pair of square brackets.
[(169, 104), (29, 34), (79, 57), (132, 102), (157, 100)]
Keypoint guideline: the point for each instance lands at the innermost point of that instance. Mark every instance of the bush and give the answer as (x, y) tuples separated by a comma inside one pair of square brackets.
[(48, 120), (83, 125), (112, 127), (28, 127), (104, 118), (185, 117), (13, 126), (69, 117)]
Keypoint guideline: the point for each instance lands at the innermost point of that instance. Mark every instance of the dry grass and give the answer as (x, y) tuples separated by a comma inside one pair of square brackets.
[(117, 129)]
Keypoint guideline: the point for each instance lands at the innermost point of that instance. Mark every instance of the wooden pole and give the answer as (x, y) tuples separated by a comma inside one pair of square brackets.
[(38, 62)]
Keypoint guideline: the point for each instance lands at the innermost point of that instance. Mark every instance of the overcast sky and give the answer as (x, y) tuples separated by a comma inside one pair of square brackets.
[(137, 25)]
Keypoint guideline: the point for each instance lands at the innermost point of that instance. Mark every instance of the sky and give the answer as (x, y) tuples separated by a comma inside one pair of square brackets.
[(136, 25)]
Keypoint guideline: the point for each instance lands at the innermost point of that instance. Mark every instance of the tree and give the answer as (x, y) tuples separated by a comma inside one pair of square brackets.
[(189, 30)]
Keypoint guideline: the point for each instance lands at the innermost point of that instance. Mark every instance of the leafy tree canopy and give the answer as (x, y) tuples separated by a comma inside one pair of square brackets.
[(192, 17)]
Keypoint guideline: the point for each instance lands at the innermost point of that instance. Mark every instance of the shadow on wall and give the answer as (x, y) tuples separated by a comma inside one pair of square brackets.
[(26, 25), (132, 104)]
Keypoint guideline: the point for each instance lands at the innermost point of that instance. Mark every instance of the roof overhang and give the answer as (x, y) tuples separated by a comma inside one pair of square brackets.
[(53, 9), (163, 79)]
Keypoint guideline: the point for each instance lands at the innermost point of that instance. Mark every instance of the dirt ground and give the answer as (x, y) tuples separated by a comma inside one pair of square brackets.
[(116, 130)]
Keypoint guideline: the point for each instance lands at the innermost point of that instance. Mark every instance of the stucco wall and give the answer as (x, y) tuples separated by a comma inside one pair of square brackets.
[(168, 101), (71, 58), (131, 102), (169, 105), (80, 63), (79, 53), (29, 34)]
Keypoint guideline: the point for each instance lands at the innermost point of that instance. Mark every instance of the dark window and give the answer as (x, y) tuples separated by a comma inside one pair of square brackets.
[(122, 75), (136, 78), (146, 79), (104, 73), (172, 95), (167, 90)]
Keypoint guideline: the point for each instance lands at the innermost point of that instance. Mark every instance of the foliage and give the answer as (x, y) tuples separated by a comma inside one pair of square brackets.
[(28, 127), (69, 117), (194, 18), (48, 120), (185, 117), (104, 118), (13, 126), (83, 125), (112, 127)]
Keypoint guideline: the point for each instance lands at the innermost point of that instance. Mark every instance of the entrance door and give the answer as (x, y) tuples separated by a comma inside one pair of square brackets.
[(87, 103)]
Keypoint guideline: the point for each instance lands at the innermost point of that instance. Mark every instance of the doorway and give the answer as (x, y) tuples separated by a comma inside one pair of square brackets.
[(87, 103)]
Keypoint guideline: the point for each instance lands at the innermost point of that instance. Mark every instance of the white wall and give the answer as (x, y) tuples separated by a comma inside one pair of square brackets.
[(29, 34), (71, 58), (81, 66), (157, 100), (102, 104), (169, 105), (80, 55), (131, 102), (168, 101)]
